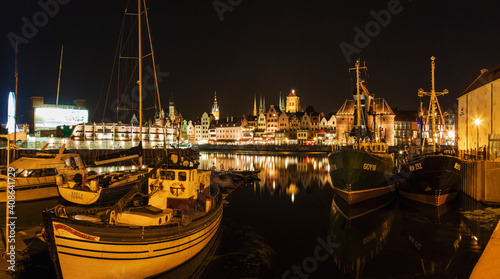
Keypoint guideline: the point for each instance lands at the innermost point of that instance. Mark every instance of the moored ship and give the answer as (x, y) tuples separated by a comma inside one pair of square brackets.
[(182, 214), (431, 177), (363, 170)]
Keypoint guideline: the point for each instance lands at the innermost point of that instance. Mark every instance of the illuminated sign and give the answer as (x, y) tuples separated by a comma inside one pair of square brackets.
[(48, 118)]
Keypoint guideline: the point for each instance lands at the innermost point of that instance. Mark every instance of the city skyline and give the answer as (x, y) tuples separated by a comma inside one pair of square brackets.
[(242, 48)]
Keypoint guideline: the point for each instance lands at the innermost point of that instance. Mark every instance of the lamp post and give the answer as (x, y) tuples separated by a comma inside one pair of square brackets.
[(477, 122)]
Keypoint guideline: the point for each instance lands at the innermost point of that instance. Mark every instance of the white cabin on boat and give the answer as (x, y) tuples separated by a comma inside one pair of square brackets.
[(178, 187)]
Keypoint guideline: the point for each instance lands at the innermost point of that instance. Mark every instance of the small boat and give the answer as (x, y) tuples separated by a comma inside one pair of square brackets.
[(431, 177), (363, 170), (37, 177), (100, 189), (181, 214), (104, 188), (232, 179)]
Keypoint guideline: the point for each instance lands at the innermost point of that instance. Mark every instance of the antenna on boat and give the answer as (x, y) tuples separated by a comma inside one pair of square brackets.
[(59, 79), (433, 106)]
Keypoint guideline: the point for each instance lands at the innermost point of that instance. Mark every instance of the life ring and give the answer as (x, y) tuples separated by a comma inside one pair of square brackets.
[(177, 191)]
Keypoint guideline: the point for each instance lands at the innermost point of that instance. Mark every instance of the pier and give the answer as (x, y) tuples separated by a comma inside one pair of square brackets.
[(479, 180)]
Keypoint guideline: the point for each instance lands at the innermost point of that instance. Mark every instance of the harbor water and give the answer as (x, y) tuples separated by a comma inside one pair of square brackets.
[(290, 224)]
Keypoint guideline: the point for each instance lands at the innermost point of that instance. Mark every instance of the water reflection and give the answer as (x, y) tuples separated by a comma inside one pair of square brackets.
[(273, 225), (433, 233), (278, 173), (360, 231)]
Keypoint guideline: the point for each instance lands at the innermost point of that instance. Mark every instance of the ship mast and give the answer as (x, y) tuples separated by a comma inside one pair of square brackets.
[(59, 79), (358, 98), (139, 82), (433, 107), (16, 75)]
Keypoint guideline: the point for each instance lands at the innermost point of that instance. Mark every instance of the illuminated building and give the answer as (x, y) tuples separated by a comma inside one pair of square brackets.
[(45, 117), (480, 101)]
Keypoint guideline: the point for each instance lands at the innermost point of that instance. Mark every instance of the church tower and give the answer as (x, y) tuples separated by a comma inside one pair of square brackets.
[(171, 108), (292, 103), (215, 108)]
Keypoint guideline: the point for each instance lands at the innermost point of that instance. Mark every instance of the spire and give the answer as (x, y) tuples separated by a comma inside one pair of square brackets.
[(215, 108), (254, 104), (264, 106), (281, 102), (260, 106)]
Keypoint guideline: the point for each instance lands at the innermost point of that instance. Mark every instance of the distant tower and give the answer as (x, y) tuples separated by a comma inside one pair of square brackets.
[(264, 104), (292, 103), (215, 108), (260, 105), (254, 104), (281, 102), (171, 108)]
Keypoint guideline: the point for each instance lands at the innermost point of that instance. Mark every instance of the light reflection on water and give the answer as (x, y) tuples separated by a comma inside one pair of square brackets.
[(275, 225), (287, 174)]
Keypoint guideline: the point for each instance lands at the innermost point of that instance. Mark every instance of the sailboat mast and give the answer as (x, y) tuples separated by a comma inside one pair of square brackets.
[(16, 74), (59, 79), (140, 74)]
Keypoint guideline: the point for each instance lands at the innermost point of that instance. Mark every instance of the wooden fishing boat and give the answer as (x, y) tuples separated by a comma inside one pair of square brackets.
[(181, 214)]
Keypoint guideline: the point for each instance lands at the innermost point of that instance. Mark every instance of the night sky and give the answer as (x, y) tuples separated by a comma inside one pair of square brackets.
[(259, 47)]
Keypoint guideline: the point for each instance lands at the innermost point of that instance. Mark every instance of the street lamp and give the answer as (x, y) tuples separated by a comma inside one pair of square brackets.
[(477, 122)]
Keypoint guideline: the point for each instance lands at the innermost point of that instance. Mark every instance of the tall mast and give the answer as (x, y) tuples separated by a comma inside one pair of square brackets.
[(139, 82), (59, 79), (16, 74), (358, 97), (433, 106)]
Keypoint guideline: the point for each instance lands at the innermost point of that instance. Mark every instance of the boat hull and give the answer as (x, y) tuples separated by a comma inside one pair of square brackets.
[(87, 250), (100, 197), (358, 175), (32, 193), (432, 179)]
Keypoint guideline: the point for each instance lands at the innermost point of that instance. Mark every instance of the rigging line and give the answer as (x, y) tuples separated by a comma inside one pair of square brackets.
[(119, 101), (152, 54), (120, 36)]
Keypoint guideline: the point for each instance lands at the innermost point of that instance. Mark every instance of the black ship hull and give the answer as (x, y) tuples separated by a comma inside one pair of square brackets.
[(360, 175), (432, 179)]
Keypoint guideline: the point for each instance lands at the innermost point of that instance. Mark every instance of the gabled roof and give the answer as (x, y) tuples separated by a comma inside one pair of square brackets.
[(347, 108), (483, 79), (381, 107)]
